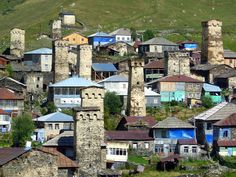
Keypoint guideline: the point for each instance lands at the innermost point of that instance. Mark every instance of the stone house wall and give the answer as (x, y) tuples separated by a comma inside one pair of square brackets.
[(31, 164)]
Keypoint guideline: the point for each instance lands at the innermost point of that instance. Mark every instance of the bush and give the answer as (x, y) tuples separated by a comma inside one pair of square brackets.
[(207, 102)]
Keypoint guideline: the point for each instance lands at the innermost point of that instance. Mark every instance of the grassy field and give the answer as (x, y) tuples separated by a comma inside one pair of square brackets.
[(182, 17)]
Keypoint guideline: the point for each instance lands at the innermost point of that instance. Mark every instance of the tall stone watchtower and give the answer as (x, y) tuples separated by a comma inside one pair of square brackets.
[(212, 44), (89, 133), (56, 29), (17, 46), (178, 63), (60, 60), (85, 61), (136, 102)]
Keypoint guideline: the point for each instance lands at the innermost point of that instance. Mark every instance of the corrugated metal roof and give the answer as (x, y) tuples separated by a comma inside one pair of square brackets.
[(55, 117), (218, 112), (172, 122), (128, 135), (75, 81), (226, 143), (229, 54), (121, 31), (41, 51), (211, 88), (178, 78), (8, 154), (108, 67), (187, 142), (159, 41), (100, 34), (147, 92), (115, 78), (227, 122)]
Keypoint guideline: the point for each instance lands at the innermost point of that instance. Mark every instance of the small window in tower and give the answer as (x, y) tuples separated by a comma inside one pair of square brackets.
[(73, 39), (37, 86), (137, 83), (38, 78), (82, 39)]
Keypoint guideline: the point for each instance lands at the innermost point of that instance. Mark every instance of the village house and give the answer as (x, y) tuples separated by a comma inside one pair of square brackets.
[(67, 18), (66, 93), (11, 101), (8, 82), (50, 125), (117, 48), (204, 121), (119, 85), (122, 34), (167, 132), (188, 148), (156, 47), (100, 38), (76, 39), (212, 91), (102, 71), (35, 162), (224, 136), (41, 57), (180, 88), (9, 59), (230, 58), (5, 121), (154, 70)]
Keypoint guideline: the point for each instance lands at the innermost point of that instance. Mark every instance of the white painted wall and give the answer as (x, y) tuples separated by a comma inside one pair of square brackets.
[(111, 146), (123, 38), (46, 63)]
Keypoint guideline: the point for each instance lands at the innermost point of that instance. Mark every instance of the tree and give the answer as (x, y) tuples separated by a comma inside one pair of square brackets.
[(112, 103), (207, 102), (148, 34), (133, 33), (9, 70), (22, 129)]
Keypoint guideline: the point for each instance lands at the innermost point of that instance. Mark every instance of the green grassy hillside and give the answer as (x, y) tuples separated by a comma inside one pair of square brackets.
[(179, 19)]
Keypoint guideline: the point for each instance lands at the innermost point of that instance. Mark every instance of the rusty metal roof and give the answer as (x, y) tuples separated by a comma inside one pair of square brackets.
[(8, 154)]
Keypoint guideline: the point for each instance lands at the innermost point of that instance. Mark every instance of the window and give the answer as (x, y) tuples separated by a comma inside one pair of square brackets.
[(38, 78), (56, 126), (128, 38), (135, 146), (57, 91), (146, 145), (163, 133), (82, 39), (117, 151), (159, 148), (209, 126), (64, 91), (194, 149), (118, 38), (185, 149), (225, 134), (71, 91), (73, 39), (123, 38), (50, 126), (37, 86)]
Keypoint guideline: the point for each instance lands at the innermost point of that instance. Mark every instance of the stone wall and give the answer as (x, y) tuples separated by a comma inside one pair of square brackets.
[(56, 29), (34, 82), (85, 61), (32, 164), (60, 60), (178, 63), (233, 133), (17, 45), (136, 104), (212, 44)]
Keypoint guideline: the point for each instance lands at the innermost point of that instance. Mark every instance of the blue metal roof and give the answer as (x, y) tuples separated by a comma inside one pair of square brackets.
[(109, 67), (115, 78), (55, 117), (211, 88), (100, 34), (75, 81), (40, 51)]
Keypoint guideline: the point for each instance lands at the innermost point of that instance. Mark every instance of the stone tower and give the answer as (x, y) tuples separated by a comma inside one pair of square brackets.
[(89, 133), (136, 102), (60, 60), (17, 46), (212, 44), (178, 63), (85, 61), (56, 29)]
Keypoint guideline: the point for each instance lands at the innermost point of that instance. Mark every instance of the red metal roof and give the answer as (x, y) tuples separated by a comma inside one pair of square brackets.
[(178, 78), (8, 154), (129, 135), (187, 142), (158, 64), (7, 94), (226, 143), (62, 160), (2, 112), (227, 122), (146, 120)]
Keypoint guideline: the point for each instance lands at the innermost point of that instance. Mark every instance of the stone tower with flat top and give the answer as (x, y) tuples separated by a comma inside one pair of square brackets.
[(136, 102), (17, 45)]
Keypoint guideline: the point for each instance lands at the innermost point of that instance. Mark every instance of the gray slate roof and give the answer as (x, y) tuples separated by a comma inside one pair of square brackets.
[(231, 73), (159, 41), (203, 67), (229, 54), (172, 122), (218, 112), (121, 31), (64, 139)]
